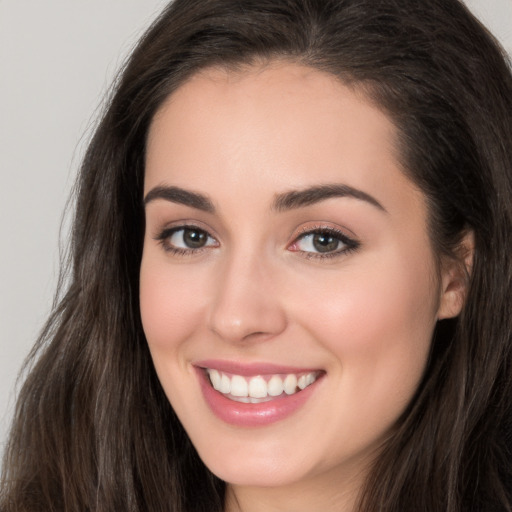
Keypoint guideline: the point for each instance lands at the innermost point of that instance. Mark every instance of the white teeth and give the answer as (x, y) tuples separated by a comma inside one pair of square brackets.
[(257, 389), (215, 378), (239, 386), (275, 386), (290, 384), (225, 384)]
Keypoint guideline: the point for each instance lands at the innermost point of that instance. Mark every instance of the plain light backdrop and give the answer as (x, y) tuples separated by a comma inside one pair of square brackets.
[(57, 59)]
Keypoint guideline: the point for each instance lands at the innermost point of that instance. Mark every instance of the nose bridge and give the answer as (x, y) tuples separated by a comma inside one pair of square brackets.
[(246, 303)]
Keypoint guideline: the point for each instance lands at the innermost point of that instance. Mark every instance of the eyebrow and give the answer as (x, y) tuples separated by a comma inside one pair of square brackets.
[(282, 202), (180, 196), (300, 198)]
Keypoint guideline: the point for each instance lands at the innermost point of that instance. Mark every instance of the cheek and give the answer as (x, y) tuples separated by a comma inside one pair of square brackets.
[(170, 304), (380, 319), (378, 325), (378, 299)]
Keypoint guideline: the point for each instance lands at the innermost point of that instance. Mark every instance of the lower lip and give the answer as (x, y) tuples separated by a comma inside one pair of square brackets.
[(252, 415)]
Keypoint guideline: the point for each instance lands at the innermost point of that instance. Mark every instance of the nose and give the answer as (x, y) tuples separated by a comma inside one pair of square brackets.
[(246, 305)]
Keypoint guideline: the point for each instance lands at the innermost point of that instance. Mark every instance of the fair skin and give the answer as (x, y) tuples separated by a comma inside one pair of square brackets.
[(342, 285)]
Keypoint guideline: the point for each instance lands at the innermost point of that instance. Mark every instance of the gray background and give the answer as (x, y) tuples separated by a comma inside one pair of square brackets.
[(57, 59)]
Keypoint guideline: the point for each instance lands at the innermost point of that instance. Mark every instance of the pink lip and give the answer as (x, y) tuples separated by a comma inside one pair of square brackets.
[(250, 369), (251, 415)]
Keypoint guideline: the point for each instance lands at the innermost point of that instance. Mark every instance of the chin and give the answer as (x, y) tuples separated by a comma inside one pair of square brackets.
[(257, 460), (259, 473)]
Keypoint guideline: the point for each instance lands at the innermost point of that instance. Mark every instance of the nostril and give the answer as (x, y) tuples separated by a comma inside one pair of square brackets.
[(247, 321)]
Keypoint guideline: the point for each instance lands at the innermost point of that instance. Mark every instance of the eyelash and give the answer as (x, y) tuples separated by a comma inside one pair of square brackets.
[(164, 236), (349, 244)]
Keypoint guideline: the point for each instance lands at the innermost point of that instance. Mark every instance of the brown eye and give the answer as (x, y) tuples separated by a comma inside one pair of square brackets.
[(321, 242), (186, 238), (194, 238), (325, 242)]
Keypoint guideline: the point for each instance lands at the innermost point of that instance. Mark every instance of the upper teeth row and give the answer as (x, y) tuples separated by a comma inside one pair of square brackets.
[(258, 387)]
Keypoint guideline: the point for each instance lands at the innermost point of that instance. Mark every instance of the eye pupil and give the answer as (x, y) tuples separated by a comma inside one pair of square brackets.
[(194, 238), (324, 242)]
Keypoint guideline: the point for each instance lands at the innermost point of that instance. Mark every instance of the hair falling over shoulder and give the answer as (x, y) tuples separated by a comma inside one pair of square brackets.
[(93, 430)]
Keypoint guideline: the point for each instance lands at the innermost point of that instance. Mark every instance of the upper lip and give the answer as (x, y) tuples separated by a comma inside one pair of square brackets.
[(250, 369)]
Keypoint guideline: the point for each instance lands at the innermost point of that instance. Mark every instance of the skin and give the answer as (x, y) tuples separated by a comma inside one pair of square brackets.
[(258, 292)]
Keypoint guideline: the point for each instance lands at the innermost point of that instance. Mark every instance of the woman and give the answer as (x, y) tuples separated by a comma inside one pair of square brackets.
[(291, 272)]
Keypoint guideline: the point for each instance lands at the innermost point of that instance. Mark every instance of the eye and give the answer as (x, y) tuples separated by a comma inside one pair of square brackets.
[(323, 242), (184, 239)]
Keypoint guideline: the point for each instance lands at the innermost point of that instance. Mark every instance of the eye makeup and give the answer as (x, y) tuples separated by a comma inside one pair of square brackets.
[(317, 242)]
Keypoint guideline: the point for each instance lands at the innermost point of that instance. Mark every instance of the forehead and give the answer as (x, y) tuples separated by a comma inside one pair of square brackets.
[(279, 126), (273, 92)]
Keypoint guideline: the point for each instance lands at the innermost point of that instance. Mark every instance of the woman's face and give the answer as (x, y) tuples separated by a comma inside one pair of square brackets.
[(286, 260)]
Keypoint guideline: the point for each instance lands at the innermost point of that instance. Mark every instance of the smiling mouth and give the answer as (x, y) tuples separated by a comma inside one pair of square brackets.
[(259, 388)]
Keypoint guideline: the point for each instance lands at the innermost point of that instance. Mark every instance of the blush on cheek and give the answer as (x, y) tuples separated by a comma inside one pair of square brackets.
[(167, 315), (376, 323)]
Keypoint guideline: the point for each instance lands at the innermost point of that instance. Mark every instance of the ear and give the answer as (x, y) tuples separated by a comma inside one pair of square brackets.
[(455, 277)]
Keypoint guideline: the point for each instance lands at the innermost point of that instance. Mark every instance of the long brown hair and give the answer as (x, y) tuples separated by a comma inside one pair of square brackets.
[(93, 429)]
